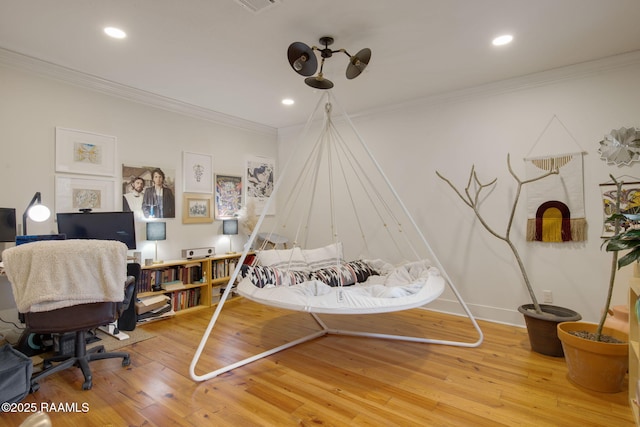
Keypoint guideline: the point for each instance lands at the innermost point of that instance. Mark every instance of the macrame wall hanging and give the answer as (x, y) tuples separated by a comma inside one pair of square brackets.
[(555, 205)]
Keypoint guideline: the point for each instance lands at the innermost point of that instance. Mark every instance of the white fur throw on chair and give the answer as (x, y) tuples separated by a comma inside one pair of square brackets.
[(48, 275)]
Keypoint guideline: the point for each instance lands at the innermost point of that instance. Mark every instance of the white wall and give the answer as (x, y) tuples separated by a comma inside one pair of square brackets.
[(448, 133), (32, 106), (480, 127)]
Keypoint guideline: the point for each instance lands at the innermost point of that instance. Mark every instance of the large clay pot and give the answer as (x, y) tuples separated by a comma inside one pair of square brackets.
[(542, 328), (618, 318), (594, 365)]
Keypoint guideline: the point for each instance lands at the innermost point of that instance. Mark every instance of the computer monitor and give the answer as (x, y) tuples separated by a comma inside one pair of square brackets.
[(7, 224), (99, 225)]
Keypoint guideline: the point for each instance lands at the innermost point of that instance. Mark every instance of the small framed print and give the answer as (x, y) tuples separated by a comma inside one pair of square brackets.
[(629, 205), (197, 174), (73, 194), (228, 196), (84, 152), (259, 183), (197, 208)]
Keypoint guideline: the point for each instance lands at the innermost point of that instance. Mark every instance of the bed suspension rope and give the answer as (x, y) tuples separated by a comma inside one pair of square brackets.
[(337, 202)]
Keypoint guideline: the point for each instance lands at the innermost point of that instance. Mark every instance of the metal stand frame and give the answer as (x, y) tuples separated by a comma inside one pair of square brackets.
[(324, 329)]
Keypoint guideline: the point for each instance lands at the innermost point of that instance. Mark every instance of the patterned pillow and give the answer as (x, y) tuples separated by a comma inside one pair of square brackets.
[(349, 272), (262, 276), (289, 259), (327, 256)]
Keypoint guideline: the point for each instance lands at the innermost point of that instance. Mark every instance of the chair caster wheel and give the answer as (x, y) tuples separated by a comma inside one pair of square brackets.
[(46, 364), (126, 361), (34, 387), (87, 385)]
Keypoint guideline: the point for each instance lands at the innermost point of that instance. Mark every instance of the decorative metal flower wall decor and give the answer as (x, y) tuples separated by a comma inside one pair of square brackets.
[(621, 146)]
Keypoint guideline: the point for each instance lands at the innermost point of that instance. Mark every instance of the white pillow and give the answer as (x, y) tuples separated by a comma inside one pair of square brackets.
[(286, 259), (328, 256)]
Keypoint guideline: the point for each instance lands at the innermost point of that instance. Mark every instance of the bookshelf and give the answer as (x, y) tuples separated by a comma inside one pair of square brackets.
[(634, 342), (222, 266), (190, 284)]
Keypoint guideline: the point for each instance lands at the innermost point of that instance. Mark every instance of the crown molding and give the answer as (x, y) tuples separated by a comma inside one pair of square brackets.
[(97, 84), (543, 78)]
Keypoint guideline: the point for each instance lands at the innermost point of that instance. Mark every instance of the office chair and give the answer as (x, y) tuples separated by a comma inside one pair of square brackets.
[(70, 286)]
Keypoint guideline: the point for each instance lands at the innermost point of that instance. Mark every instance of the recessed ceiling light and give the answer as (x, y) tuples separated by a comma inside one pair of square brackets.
[(502, 40), (114, 32), (288, 101)]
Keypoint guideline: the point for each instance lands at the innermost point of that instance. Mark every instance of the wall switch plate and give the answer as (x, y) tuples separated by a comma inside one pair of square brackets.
[(547, 297)]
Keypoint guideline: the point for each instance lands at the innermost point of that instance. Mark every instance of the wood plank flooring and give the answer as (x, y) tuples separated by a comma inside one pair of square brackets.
[(331, 381)]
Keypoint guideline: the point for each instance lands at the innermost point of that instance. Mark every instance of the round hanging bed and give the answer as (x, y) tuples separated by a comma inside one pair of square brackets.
[(340, 196), (385, 288)]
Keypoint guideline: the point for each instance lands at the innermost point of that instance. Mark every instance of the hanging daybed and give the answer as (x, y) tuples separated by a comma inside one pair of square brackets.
[(356, 249), (381, 287)]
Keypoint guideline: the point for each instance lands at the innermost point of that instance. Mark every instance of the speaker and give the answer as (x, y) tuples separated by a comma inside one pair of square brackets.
[(198, 253)]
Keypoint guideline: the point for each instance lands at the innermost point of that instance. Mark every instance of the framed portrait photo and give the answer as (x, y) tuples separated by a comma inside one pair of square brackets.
[(197, 172), (197, 208), (85, 152), (73, 194)]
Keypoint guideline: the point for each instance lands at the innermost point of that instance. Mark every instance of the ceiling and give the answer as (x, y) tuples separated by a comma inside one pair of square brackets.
[(221, 57)]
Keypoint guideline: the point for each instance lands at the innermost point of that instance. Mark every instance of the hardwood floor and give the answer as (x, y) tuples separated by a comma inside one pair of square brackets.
[(333, 380)]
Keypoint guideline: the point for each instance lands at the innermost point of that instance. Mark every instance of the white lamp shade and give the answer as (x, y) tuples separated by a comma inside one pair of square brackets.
[(229, 226), (39, 213), (156, 231)]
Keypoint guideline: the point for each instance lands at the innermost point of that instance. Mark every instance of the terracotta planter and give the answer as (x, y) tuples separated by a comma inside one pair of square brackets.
[(542, 329), (618, 318), (597, 366)]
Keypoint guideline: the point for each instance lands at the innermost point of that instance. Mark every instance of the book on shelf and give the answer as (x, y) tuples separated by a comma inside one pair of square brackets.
[(189, 273), (150, 303), (186, 299), (159, 313), (174, 285)]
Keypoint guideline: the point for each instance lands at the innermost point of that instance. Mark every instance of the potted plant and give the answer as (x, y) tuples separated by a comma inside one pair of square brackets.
[(597, 356), (541, 319)]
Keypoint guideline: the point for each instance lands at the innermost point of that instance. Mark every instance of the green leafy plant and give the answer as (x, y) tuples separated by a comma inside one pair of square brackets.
[(629, 239)]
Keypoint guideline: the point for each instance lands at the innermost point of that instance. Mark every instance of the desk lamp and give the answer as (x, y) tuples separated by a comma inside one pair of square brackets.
[(36, 211), (156, 231), (229, 228)]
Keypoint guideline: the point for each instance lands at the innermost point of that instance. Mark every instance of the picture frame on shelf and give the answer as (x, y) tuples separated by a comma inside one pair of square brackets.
[(73, 194), (82, 152), (228, 197), (197, 172), (197, 208)]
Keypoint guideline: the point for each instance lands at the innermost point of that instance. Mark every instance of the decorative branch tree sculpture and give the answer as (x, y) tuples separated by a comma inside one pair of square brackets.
[(471, 198)]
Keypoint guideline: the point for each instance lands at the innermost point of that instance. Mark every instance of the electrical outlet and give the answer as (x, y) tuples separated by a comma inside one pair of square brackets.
[(547, 297)]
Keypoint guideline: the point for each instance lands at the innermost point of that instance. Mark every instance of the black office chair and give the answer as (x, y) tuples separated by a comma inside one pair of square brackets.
[(85, 317), (95, 261)]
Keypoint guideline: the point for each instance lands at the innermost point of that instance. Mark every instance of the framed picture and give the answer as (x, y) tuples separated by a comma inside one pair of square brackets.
[(84, 152), (197, 172), (260, 173), (197, 208), (629, 205), (228, 196), (148, 191), (73, 194)]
